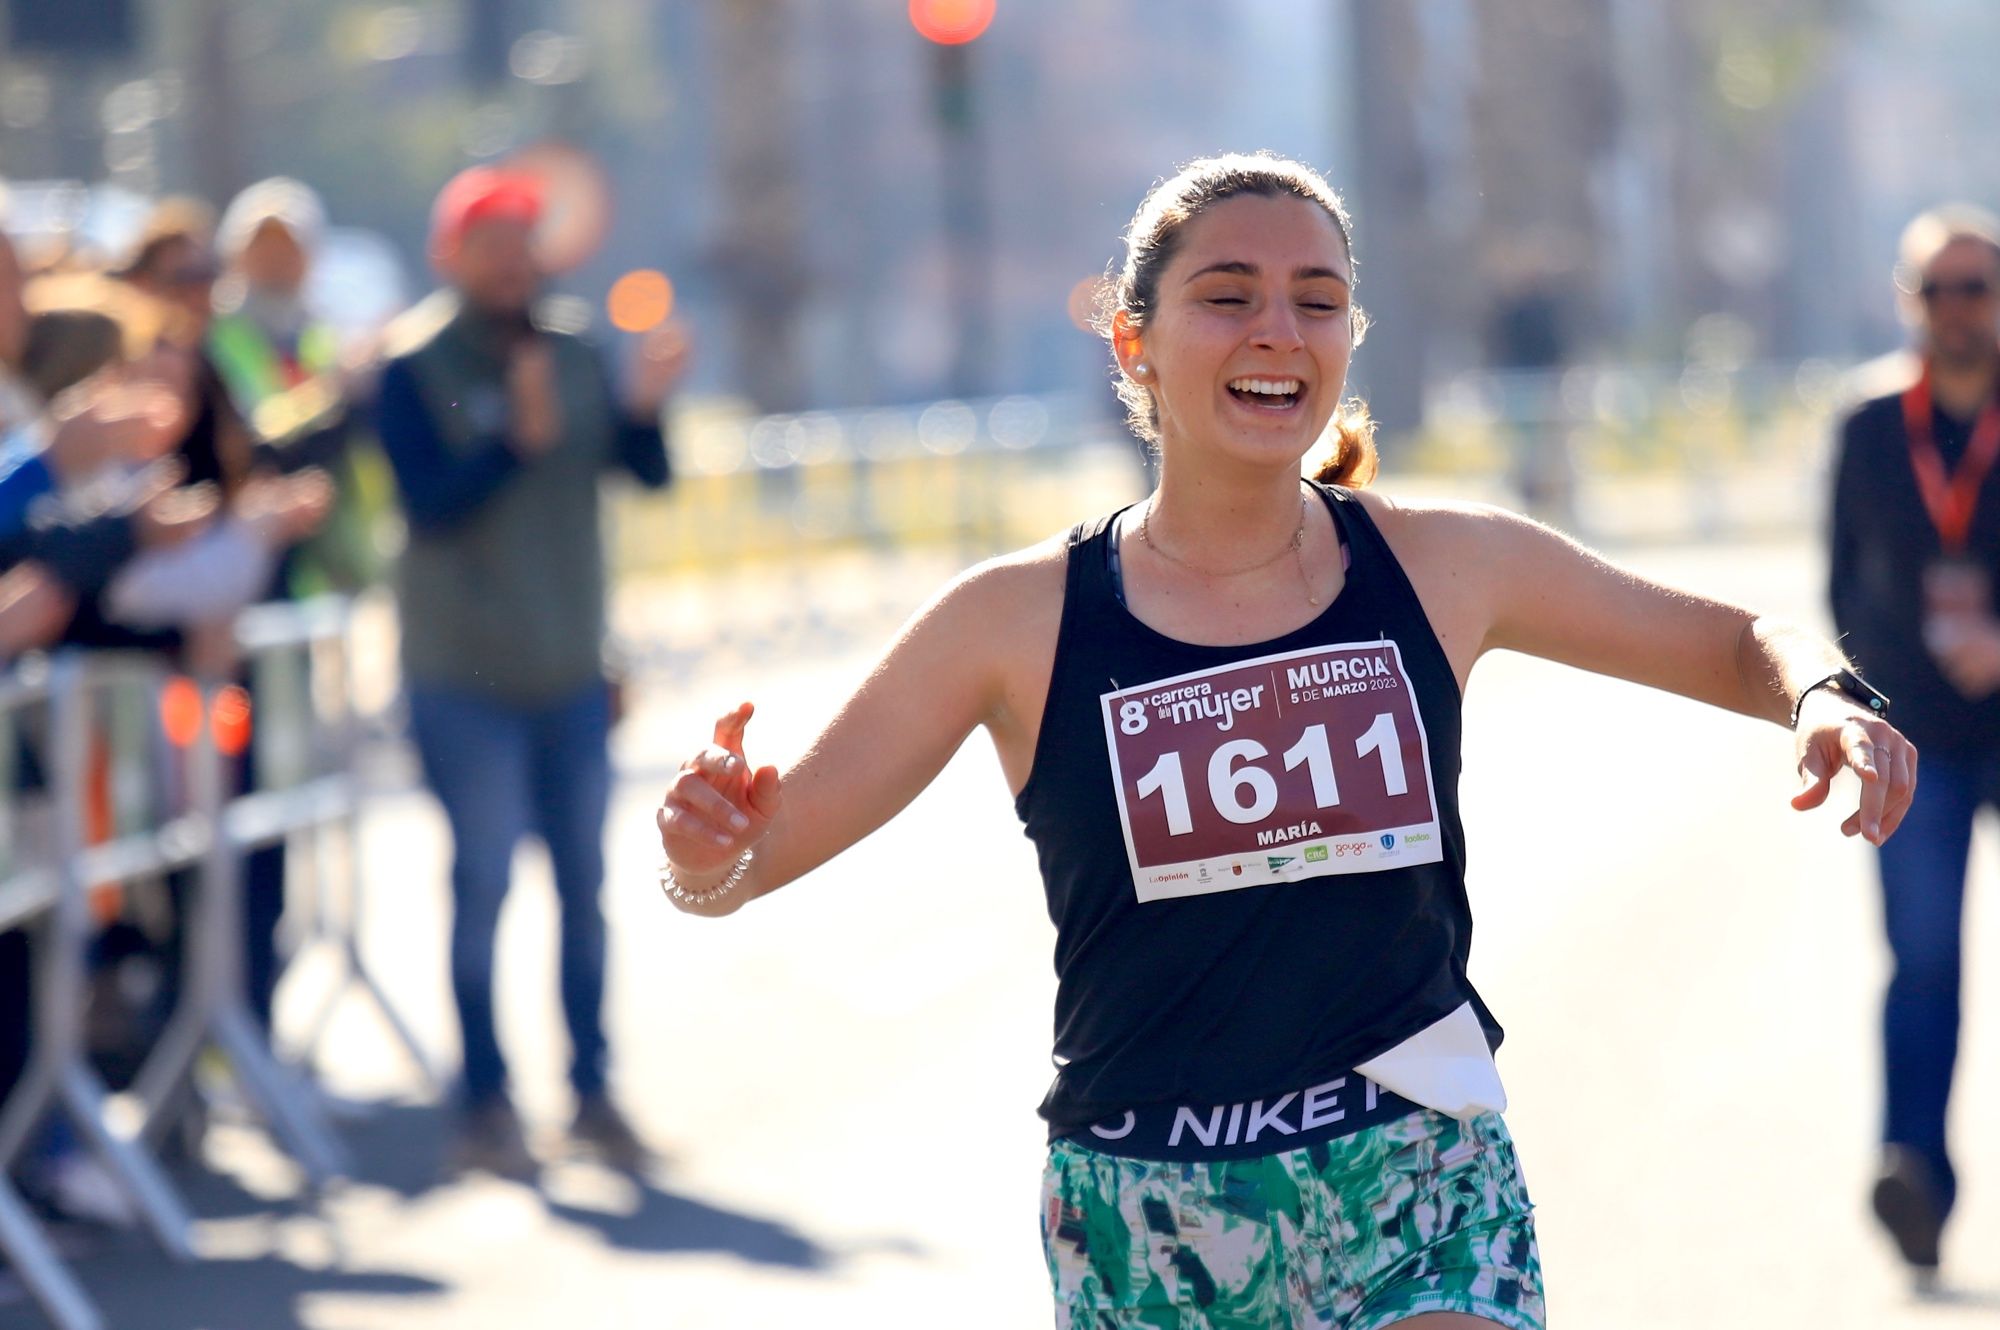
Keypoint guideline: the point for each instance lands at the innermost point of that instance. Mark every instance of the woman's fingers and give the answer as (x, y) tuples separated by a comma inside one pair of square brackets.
[(1902, 790), (692, 792), (717, 805), (1884, 761), (1858, 750), (699, 828), (729, 727), (765, 794), (1817, 773), (724, 770)]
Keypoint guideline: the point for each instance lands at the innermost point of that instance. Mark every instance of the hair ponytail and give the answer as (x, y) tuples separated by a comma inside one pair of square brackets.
[(1354, 460)]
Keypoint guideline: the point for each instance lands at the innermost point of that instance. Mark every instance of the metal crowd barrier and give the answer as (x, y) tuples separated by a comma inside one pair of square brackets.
[(166, 806), (308, 792)]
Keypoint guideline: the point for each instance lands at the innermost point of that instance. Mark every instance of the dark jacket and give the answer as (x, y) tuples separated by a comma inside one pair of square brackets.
[(1882, 539), (502, 583)]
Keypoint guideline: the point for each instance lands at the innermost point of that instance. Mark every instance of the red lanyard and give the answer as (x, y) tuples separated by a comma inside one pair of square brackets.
[(1949, 499)]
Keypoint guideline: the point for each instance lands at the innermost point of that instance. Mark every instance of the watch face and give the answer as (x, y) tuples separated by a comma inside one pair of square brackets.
[(1856, 688)]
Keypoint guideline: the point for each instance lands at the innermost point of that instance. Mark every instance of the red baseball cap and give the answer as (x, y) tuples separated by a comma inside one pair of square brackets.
[(483, 194)]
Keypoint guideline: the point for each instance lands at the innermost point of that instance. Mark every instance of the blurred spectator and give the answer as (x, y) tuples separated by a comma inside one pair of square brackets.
[(1528, 334), (498, 426), (172, 262), (33, 609), (15, 409), (283, 368), (263, 339), (136, 409), (50, 561), (1915, 544), (122, 391), (63, 536)]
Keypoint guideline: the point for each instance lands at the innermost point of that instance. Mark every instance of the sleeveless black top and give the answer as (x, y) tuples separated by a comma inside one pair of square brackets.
[(1252, 854)]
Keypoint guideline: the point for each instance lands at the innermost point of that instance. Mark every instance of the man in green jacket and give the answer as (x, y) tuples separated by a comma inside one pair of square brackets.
[(498, 426)]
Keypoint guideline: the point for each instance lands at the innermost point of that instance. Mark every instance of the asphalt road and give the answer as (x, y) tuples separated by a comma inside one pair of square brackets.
[(1688, 971)]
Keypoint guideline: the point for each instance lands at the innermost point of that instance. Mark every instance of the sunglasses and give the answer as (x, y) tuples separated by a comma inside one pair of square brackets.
[(189, 275), (1970, 288)]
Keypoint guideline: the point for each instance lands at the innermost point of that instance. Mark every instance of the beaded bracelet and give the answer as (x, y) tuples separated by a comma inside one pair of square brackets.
[(676, 892)]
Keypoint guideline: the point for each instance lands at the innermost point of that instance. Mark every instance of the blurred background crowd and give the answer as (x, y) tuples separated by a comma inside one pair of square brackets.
[(1618, 226), (1622, 260)]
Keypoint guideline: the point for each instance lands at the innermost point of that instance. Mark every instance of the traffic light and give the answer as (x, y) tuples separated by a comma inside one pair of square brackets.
[(951, 26), (950, 22), (72, 27)]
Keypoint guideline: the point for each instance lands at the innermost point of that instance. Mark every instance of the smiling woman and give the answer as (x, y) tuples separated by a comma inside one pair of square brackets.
[(1230, 719), (1132, 296)]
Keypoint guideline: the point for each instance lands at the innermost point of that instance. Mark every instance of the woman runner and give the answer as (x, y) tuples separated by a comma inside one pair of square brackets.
[(1230, 717)]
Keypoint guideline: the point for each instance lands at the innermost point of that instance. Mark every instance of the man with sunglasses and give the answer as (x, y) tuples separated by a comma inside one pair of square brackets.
[(1915, 549)]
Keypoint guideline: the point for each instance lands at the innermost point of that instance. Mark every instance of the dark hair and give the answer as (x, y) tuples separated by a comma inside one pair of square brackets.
[(1151, 242), (173, 221), (66, 346)]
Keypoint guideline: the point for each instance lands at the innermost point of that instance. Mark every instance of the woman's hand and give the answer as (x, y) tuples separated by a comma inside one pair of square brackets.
[(718, 806), (1834, 734)]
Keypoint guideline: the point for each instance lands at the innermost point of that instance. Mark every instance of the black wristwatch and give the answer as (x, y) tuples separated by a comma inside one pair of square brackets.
[(1851, 686)]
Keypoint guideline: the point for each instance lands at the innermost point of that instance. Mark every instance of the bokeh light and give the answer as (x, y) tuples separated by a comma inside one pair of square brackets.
[(950, 22), (640, 301), (576, 198), (229, 722), (180, 711), (1083, 302)]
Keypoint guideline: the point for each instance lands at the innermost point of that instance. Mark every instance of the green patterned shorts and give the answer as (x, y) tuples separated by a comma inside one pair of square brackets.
[(1421, 1214)]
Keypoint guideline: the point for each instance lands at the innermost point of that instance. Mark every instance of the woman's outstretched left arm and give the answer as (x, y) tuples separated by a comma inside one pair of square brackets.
[(1550, 596)]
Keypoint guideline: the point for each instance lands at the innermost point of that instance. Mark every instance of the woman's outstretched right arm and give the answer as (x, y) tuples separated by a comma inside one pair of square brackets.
[(959, 663)]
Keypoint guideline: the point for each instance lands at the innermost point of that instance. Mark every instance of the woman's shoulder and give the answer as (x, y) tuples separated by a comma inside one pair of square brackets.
[(1020, 582), (1430, 521)]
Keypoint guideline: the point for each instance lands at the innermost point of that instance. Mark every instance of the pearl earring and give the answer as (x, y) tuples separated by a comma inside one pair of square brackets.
[(1141, 369)]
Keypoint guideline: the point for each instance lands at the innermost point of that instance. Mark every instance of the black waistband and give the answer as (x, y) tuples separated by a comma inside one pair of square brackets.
[(1339, 1106)]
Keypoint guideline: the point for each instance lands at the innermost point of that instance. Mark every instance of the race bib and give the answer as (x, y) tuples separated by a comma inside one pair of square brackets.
[(1289, 766)]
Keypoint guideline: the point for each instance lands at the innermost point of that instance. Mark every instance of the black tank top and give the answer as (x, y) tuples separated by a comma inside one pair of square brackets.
[(1252, 854)]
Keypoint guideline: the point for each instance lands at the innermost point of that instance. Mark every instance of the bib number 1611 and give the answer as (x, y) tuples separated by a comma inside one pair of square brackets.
[(1243, 792)]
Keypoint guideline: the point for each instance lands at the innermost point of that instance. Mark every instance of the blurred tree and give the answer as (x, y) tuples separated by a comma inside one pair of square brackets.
[(951, 27), (491, 29), (760, 255), (1543, 116), (216, 109), (1392, 231)]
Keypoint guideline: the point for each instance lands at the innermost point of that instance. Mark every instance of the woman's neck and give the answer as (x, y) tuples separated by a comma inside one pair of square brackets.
[(1213, 518)]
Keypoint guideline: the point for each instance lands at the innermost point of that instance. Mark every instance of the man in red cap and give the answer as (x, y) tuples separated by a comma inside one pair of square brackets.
[(498, 425)]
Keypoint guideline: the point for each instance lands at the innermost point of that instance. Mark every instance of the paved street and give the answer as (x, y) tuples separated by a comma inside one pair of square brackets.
[(1688, 971)]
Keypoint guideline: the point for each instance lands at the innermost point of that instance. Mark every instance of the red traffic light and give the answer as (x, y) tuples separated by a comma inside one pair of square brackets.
[(950, 22)]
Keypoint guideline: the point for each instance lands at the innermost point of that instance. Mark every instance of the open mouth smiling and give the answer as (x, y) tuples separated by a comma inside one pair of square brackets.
[(1270, 394)]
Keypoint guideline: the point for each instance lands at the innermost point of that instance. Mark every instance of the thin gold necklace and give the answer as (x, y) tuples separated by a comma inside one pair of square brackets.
[(1295, 546)]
